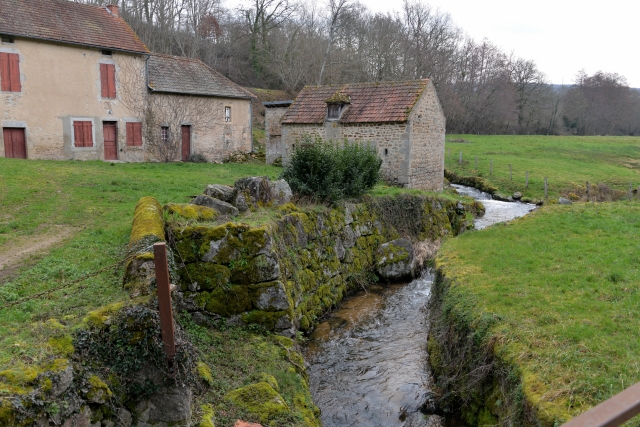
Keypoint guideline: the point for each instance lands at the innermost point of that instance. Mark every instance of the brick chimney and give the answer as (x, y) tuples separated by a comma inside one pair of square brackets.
[(113, 9)]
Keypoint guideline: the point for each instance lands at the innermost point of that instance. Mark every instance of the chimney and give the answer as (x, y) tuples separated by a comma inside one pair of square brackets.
[(113, 9)]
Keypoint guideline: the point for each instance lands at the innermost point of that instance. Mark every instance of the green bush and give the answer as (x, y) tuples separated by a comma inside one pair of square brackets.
[(328, 172)]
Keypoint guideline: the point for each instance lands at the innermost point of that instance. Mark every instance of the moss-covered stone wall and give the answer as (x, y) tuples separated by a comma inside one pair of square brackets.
[(284, 275)]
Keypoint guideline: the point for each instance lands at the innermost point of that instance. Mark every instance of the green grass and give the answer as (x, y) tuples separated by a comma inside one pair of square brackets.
[(564, 286), (98, 200), (566, 161)]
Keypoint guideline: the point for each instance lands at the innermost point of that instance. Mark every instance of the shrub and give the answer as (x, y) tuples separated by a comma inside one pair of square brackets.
[(327, 172), (197, 158)]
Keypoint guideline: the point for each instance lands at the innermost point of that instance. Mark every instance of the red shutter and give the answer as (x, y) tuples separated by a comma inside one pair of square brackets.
[(14, 72), (104, 82), (87, 134), (5, 79), (130, 138), (111, 80), (77, 134), (138, 134)]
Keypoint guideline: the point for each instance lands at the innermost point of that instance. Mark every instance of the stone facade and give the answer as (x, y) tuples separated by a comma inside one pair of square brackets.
[(273, 131), (412, 151)]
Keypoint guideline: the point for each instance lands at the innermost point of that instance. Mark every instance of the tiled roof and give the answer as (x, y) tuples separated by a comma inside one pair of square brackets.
[(370, 102), (176, 74), (65, 21)]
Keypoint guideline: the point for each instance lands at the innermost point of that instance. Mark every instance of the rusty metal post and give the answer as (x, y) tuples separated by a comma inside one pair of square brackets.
[(164, 298), (612, 412)]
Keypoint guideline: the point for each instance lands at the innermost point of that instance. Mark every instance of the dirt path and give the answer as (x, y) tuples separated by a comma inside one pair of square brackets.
[(15, 254)]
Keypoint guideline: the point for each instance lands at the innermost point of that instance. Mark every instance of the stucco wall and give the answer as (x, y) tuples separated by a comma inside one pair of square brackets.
[(427, 120), (61, 83), (273, 132)]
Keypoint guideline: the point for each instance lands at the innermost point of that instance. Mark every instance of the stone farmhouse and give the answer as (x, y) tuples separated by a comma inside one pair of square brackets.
[(402, 120), (77, 83)]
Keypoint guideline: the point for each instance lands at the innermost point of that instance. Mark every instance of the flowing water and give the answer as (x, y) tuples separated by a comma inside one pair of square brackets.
[(368, 358)]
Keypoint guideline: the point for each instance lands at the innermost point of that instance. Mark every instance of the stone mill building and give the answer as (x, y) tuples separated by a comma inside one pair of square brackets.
[(402, 120)]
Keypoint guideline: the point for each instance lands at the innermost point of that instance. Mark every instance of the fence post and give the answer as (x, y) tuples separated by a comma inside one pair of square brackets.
[(490, 167), (510, 173), (546, 188), (460, 160), (526, 183), (588, 192), (164, 298)]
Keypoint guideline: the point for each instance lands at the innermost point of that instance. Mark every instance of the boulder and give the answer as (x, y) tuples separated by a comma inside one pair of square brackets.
[(395, 261), (517, 195), (258, 191), (220, 192), (564, 201), (272, 298), (223, 207)]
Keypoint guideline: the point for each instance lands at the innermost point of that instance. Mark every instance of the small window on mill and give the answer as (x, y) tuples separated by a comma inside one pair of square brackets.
[(333, 111), (106, 52), (6, 39), (227, 114), (386, 151)]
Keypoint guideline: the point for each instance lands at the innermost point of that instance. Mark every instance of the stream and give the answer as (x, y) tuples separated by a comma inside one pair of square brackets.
[(368, 357)]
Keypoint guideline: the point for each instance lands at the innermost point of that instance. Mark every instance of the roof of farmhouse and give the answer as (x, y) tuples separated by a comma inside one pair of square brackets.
[(68, 22), (377, 102), (180, 75)]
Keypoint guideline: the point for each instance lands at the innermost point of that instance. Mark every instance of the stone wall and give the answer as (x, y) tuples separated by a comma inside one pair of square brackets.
[(426, 168), (286, 274), (273, 131)]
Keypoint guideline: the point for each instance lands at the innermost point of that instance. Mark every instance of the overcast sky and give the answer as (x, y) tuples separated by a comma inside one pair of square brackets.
[(561, 36)]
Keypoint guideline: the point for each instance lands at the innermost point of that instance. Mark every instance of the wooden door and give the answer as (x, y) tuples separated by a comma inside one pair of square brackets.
[(15, 145), (186, 142), (110, 133)]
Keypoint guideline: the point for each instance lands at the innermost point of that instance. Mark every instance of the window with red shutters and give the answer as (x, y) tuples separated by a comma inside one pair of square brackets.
[(134, 134), (83, 133), (108, 80), (10, 72)]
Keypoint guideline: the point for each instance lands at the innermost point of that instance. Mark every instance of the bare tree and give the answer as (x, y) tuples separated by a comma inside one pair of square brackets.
[(336, 9)]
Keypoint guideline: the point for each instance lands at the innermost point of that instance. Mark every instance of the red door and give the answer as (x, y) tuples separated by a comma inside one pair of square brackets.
[(110, 132), (14, 143), (186, 142)]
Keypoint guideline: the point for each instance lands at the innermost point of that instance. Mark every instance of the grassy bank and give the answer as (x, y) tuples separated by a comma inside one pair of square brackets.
[(555, 296), (567, 162), (94, 201)]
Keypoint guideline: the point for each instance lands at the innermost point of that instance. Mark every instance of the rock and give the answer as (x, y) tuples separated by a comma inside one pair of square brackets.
[(395, 261), (223, 207), (273, 298), (510, 199), (220, 192), (123, 418), (62, 383), (81, 419), (262, 268), (280, 192), (259, 399), (564, 201), (459, 207), (517, 195), (349, 208), (255, 189), (240, 202)]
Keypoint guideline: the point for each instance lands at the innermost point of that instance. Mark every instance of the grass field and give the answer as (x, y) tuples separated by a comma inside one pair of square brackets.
[(566, 161), (95, 202)]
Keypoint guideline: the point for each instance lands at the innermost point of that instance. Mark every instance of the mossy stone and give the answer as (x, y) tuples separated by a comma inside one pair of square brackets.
[(147, 221), (271, 380), (268, 319), (191, 211), (98, 391), (259, 399), (207, 416), (204, 373), (227, 302), (61, 345), (207, 275)]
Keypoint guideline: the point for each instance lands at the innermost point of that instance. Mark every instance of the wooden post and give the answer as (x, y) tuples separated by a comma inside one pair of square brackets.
[(460, 160), (164, 298), (476, 163), (588, 192), (490, 167), (526, 182), (510, 173), (546, 188)]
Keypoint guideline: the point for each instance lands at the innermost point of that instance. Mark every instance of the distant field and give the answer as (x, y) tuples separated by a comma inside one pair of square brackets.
[(566, 161), (563, 288)]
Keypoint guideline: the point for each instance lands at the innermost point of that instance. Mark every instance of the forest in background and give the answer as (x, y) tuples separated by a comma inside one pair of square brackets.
[(287, 44)]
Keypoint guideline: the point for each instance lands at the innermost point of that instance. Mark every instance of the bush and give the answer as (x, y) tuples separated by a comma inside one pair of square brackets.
[(326, 172), (197, 158)]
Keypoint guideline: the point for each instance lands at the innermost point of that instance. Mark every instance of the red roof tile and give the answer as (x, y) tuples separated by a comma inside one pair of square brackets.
[(64, 21), (378, 102)]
